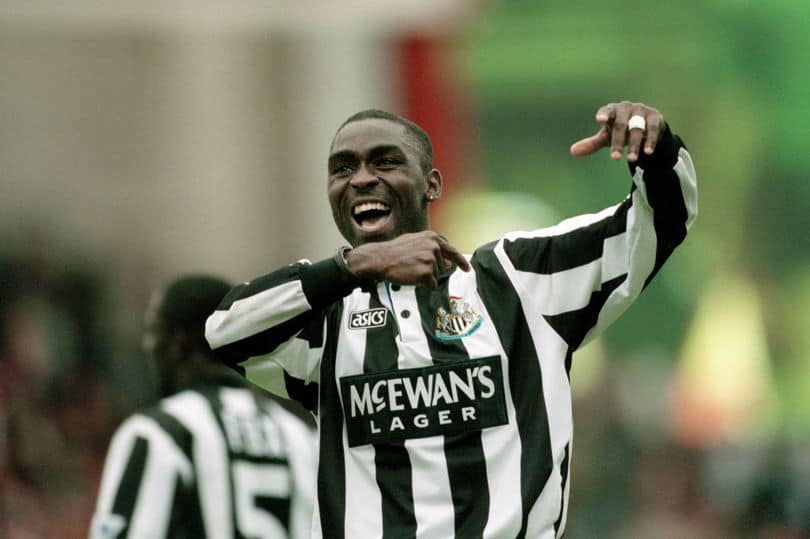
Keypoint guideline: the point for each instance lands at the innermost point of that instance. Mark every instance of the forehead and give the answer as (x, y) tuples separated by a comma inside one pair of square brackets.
[(362, 135)]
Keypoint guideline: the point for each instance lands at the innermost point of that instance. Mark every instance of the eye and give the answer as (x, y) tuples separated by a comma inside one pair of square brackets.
[(388, 162), (342, 169)]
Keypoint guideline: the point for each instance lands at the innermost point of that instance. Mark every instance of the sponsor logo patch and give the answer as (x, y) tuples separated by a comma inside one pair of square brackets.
[(441, 399), (371, 318), (461, 320)]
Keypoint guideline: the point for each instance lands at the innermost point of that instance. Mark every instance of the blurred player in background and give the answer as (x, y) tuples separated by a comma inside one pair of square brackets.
[(210, 460), (441, 380)]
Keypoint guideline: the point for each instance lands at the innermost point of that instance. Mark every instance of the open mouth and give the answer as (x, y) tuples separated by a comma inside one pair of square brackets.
[(371, 215)]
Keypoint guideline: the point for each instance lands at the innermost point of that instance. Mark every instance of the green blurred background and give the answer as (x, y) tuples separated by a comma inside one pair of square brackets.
[(693, 407)]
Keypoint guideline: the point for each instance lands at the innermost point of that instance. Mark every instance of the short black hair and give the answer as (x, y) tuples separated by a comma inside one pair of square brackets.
[(421, 137), (189, 301)]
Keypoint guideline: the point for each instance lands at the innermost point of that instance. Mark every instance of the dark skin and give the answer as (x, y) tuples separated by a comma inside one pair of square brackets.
[(375, 164), (174, 355)]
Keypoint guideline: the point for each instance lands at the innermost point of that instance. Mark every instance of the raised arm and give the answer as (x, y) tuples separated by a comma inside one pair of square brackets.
[(581, 274)]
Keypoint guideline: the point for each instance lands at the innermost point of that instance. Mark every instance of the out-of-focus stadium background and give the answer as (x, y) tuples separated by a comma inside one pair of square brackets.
[(140, 140)]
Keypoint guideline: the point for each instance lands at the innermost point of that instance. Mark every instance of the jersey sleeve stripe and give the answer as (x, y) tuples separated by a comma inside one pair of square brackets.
[(264, 342), (551, 252), (572, 326), (256, 313), (280, 277)]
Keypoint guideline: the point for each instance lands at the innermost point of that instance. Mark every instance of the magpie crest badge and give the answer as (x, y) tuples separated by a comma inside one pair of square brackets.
[(460, 321)]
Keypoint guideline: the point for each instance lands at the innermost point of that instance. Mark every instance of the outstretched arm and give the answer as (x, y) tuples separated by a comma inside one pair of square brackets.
[(581, 274)]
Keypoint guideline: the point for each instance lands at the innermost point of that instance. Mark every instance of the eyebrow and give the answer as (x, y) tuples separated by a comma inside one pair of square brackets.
[(375, 151)]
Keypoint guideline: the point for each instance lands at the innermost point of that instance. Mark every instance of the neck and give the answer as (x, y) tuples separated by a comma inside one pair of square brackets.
[(198, 365)]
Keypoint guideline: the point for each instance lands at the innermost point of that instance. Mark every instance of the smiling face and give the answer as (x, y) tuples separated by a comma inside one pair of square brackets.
[(377, 188)]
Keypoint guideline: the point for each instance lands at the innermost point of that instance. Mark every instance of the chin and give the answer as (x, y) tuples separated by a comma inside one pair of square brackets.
[(359, 236)]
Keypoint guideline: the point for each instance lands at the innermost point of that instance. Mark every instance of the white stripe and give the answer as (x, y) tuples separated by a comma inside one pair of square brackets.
[(363, 500), (686, 174), (568, 225), (501, 445), (238, 402), (299, 359), (432, 497), (303, 458), (210, 456), (639, 255), (295, 357), (115, 463), (165, 464), (256, 313), (614, 256)]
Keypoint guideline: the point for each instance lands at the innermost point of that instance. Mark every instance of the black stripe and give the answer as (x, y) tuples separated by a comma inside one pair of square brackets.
[(130, 484), (326, 282), (572, 326), (307, 394), (464, 452), (173, 428), (391, 458), (265, 341), (669, 214), (186, 516), (525, 378), (551, 254), (467, 470), (664, 195), (331, 468), (563, 482)]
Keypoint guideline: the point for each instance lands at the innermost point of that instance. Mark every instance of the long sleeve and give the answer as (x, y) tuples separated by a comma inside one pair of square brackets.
[(272, 327), (581, 274)]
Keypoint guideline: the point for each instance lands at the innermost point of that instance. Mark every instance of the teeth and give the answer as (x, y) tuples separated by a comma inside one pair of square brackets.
[(369, 206)]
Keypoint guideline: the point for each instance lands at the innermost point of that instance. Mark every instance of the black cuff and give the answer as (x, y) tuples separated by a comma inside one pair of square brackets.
[(665, 155), (326, 282)]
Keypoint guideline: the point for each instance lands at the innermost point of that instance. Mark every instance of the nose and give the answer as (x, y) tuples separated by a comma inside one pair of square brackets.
[(364, 178)]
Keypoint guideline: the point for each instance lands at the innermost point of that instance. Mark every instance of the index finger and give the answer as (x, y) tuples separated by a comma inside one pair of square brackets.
[(451, 253)]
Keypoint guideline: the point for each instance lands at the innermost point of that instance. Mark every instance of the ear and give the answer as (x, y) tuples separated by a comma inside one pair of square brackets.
[(433, 185)]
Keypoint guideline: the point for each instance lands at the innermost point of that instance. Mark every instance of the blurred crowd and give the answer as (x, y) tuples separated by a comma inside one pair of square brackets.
[(59, 400)]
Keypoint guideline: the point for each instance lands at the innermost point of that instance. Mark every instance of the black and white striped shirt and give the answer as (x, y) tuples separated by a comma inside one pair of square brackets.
[(447, 413), (211, 461)]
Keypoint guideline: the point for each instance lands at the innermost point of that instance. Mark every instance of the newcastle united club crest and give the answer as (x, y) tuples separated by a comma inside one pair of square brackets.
[(461, 320)]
